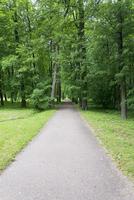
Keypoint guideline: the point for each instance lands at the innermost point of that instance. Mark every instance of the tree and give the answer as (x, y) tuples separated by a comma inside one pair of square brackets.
[(80, 49)]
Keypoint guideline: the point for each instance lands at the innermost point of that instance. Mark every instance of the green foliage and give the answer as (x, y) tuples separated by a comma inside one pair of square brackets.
[(8, 61), (89, 46), (40, 97), (101, 94), (131, 98)]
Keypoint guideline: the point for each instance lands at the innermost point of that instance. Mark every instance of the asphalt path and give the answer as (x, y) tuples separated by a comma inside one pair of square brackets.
[(64, 162)]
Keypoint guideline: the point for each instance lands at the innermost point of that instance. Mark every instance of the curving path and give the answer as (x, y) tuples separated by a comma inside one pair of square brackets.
[(64, 162)]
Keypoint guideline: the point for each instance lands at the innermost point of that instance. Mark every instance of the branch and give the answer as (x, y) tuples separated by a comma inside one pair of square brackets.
[(97, 1), (75, 19), (67, 6)]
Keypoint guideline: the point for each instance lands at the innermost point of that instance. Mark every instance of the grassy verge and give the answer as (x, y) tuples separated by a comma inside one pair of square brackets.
[(116, 135), (17, 128)]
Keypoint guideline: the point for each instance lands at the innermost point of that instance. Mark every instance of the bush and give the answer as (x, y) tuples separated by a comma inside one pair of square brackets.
[(40, 97)]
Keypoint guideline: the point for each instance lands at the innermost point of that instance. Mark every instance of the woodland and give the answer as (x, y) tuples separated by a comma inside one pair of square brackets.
[(80, 49)]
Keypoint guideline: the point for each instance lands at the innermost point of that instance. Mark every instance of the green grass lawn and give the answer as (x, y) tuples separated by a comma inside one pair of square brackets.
[(116, 135), (17, 128)]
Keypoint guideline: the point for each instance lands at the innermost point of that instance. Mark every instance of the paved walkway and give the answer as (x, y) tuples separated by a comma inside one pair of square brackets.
[(64, 162)]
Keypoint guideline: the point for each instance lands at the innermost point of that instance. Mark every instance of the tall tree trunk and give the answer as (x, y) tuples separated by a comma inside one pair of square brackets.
[(54, 81), (82, 53), (17, 40), (30, 44), (123, 101), (123, 92)]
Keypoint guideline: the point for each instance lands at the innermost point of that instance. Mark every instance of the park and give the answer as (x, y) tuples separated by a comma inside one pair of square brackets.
[(66, 100)]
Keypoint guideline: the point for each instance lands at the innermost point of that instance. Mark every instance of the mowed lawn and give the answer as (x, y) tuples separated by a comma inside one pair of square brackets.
[(116, 135), (17, 128)]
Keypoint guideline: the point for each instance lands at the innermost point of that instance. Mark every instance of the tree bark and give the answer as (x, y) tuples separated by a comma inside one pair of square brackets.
[(82, 54), (1, 90), (123, 91), (23, 96), (17, 40), (5, 96), (1, 98), (123, 100), (58, 91), (54, 82)]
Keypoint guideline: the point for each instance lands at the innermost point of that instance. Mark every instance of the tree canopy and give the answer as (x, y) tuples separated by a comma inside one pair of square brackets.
[(83, 49)]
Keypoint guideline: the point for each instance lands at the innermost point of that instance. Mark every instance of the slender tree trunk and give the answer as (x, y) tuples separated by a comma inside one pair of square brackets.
[(29, 41), (123, 101), (123, 91), (58, 91), (58, 81), (1, 98), (51, 60), (54, 81), (1, 90), (117, 97), (23, 97), (5, 96)]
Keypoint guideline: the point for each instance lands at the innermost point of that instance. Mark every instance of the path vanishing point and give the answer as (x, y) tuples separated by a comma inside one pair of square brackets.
[(64, 162)]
